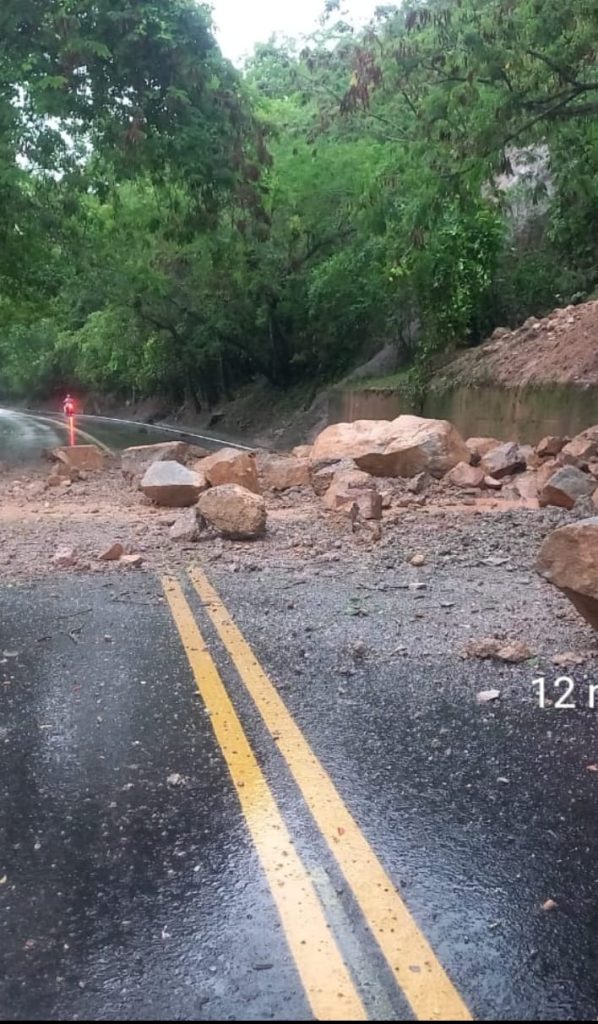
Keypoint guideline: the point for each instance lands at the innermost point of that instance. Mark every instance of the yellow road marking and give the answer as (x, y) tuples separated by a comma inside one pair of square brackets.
[(327, 982), (416, 968)]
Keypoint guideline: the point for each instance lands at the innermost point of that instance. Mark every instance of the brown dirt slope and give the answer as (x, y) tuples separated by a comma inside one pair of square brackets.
[(562, 348)]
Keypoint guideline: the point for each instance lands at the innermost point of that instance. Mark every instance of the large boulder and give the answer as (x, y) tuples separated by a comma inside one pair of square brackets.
[(234, 511), (231, 466), (80, 456), (136, 460), (581, 450), (279, 473), (402, 447), (172, 485), (354, 487), (565, 486), (569, 559), (503, 461)]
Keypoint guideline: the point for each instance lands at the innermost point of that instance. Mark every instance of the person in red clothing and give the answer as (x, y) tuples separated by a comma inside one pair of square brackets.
[(69, 407)]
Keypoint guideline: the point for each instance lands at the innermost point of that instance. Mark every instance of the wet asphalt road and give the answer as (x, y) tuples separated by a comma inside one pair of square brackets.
[(131, 887), (24, 437)]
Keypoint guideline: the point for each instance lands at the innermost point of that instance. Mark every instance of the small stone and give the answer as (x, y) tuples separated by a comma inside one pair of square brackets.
[(131, 561), (512, 651), (568, 659), (64, 558), (418, 559), (186, 526), (419, 483), (113, 553), (487, 696)]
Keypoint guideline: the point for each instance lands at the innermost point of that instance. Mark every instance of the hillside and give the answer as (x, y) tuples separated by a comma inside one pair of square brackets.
[(562, 348)]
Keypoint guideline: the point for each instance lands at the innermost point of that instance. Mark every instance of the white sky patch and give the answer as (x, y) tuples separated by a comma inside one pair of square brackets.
[(240, 24)]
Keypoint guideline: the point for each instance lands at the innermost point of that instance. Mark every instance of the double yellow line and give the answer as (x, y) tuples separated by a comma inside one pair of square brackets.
[(328, 984)]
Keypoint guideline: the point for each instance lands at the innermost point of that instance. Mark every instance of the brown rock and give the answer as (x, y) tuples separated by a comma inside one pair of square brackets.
[(402, 447), (529, 455), (185, 526), (465, 475), (419, 484), (565, 486), (581, 450), (64, 557), (231, 466), (113, 553), (568, 559), (492, 483), (480, 446), (353, 486), (60, 473), (550, 446), (172, 485), (302, 451), (368, 502), (131, 561), (323, 473), (135, 461), (365, 504), (80, 456), (280, 473), (526, 485), (195, 452), (503, 461), (234, 511), (503, 650), (547, 469)]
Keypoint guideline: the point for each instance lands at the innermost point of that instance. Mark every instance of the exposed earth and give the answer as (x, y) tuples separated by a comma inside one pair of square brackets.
[(561, 348)]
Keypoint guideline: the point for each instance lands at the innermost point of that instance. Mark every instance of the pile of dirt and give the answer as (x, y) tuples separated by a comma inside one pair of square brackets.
[(561, 348)]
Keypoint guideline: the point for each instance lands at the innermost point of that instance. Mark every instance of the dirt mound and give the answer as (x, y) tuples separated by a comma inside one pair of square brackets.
[(562, 348)]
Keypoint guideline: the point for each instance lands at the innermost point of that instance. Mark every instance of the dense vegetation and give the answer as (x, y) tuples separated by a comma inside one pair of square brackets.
[(170, 225)]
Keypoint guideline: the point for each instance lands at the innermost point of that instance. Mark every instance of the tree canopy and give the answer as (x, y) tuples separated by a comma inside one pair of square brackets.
[(169, 224)]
